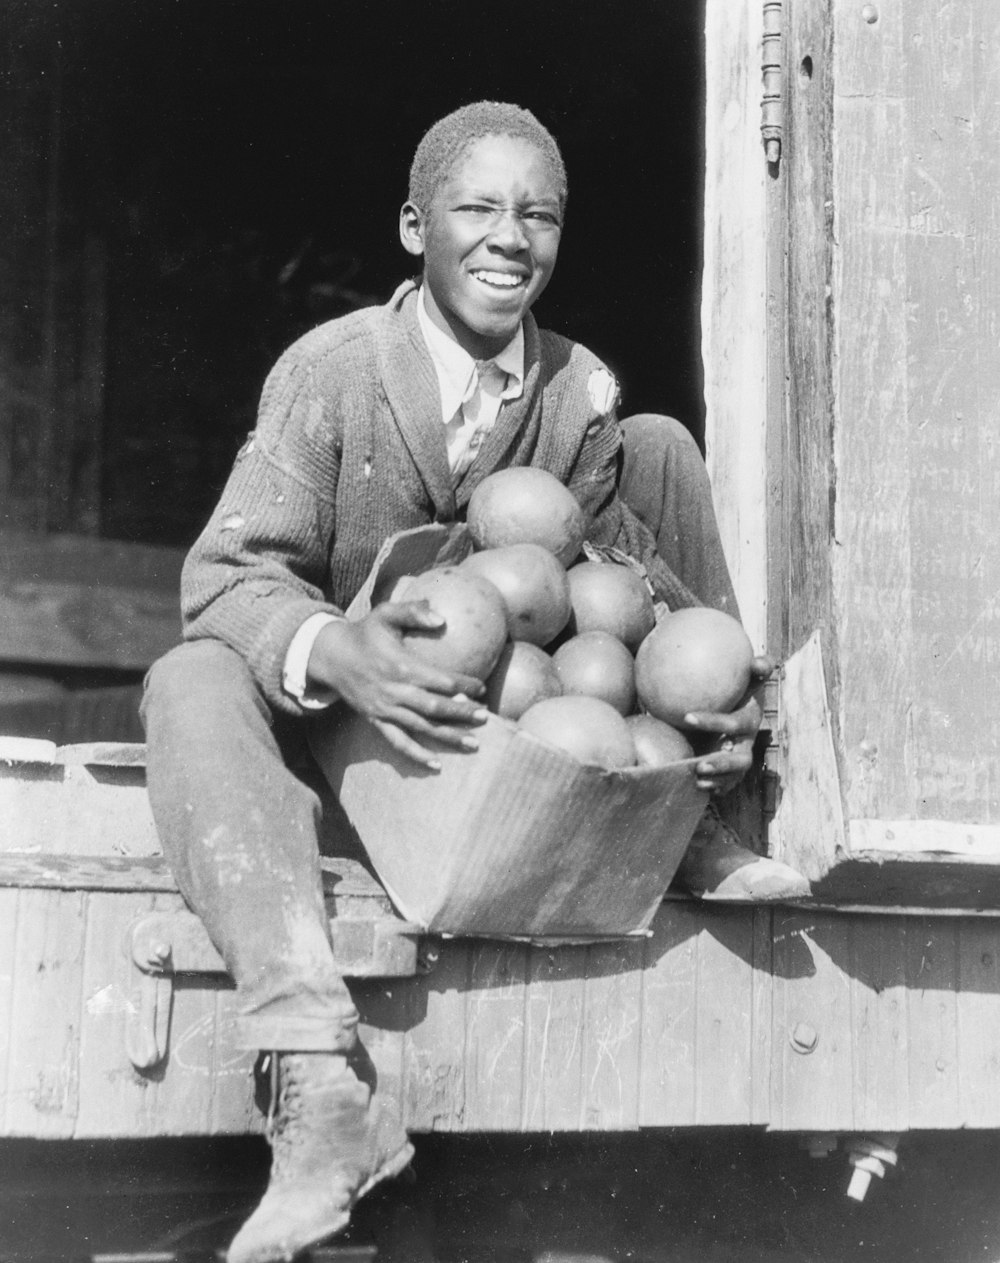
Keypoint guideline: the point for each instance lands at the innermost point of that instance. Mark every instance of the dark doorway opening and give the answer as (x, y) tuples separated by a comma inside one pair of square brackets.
[(243, 164)]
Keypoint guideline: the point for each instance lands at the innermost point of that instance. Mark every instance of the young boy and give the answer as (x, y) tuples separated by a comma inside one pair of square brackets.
[(383, 420)]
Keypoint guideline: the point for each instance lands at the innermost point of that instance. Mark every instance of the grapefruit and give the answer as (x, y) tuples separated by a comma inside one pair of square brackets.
[(524, 675), (597, 664), (585, 727), (657, 743), (611, 598), (525, 505), (475, 618), (696, 659), (533, 585)]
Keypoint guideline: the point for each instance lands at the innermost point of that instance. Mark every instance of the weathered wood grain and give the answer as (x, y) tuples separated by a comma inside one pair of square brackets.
[(75, 809), (495, 1048), (880, 1046), (802, 522), (42, 1080), (808, 830), (9, 968), (935, 1053), (916, 560), (609, 1090), (434, 1087), (667, 1069), (978, 983), (555, 1018), (734, 317), (724, 1039), (114, 1098)]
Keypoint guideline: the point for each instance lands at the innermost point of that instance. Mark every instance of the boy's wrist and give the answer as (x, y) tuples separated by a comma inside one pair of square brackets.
[(295, 677)]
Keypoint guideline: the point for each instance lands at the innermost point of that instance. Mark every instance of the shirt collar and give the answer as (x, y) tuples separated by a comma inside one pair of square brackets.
[(456, 369)]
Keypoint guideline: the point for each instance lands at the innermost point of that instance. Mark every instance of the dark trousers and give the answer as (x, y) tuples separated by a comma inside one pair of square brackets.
[(240, 827)]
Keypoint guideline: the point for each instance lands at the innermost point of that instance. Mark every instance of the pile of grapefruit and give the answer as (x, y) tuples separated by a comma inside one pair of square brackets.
[(571, 649)]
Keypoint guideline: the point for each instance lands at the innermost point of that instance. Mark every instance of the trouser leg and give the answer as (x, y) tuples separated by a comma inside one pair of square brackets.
[(240, 832), (664, 482)]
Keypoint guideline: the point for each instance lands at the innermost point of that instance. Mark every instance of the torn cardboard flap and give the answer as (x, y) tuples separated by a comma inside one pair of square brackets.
[(408, 553)]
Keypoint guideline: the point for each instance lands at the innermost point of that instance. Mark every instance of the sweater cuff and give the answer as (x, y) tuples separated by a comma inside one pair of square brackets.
[(294, 676)]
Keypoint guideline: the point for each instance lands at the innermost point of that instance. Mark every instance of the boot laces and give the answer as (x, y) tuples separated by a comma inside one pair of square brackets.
[(296, 1113)]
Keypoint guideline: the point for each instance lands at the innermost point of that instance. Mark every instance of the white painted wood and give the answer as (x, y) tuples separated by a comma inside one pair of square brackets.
[(913, 837), (734, 311)]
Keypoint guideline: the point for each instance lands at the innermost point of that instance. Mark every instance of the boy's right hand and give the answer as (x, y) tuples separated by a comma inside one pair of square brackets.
[(367, 663)]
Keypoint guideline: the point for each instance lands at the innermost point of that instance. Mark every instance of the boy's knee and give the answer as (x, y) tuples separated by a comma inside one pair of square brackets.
[(649, 432), (193, 668)]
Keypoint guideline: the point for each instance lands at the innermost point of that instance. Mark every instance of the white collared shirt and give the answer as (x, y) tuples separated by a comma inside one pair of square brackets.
[(470, 404)]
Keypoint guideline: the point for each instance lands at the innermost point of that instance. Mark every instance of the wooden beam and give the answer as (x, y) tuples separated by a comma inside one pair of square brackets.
[(67, 600), (734, 300)]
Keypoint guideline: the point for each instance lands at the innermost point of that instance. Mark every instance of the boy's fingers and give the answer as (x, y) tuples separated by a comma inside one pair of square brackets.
[(416, 614), (413, 750), (743, 722), (407, 726), (715, 721), (763, 666), (416, 708), (448, 685)]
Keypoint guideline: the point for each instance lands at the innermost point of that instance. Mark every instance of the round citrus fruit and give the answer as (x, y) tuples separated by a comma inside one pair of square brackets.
[(525, 505), (597, 664), (475, 621), (533, 585), (524, 675), (611, 598), (694, 659), (585, 727), (657, 743)]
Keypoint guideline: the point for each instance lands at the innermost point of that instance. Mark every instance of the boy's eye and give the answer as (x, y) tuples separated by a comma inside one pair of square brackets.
[(542, 216)]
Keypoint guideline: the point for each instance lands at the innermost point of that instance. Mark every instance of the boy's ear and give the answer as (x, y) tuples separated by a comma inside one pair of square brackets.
[(411, 228)]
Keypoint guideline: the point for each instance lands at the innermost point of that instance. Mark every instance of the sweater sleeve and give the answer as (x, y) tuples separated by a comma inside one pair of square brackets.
[(258, 569)]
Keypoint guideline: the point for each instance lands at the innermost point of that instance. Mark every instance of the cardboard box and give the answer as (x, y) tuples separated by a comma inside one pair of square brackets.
[(517, 839)]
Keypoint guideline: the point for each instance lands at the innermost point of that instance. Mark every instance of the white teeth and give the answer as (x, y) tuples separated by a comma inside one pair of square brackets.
[(499, 278)]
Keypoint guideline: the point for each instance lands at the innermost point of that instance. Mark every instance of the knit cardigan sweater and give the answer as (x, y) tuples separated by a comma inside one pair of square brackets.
[(349, 448)]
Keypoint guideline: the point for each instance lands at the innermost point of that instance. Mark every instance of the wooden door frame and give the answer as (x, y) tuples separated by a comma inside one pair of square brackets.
[(735, 301)]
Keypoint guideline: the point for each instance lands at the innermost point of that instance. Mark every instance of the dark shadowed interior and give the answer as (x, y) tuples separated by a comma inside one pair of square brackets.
[(242, 165)]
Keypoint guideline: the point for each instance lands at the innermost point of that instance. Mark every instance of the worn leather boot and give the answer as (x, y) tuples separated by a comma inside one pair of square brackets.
[(330, 1144), (717, 865)]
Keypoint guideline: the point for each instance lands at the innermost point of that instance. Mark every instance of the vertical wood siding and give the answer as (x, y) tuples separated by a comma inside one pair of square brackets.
[(795, 1020), (916, 133)]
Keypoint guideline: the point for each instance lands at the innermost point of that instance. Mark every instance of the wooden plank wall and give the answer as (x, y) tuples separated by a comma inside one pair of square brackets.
[(725, 1017), (917, 287)]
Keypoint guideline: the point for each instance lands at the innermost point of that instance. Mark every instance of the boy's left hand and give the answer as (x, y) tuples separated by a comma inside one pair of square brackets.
[(725, 766)]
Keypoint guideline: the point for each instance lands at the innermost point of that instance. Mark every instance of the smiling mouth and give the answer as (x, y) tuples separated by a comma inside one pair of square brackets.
[(500, 280)]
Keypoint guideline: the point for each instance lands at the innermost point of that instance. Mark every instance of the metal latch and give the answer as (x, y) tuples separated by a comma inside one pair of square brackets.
[(165, 944)]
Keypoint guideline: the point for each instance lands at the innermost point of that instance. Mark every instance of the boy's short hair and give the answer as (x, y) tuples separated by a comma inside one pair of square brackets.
[(448, 139)]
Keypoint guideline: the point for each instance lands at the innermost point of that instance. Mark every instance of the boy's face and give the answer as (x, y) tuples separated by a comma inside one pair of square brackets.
[(489, 242)]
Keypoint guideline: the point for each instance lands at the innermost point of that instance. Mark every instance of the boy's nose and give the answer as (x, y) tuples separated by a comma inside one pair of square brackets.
[(508, 232)]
